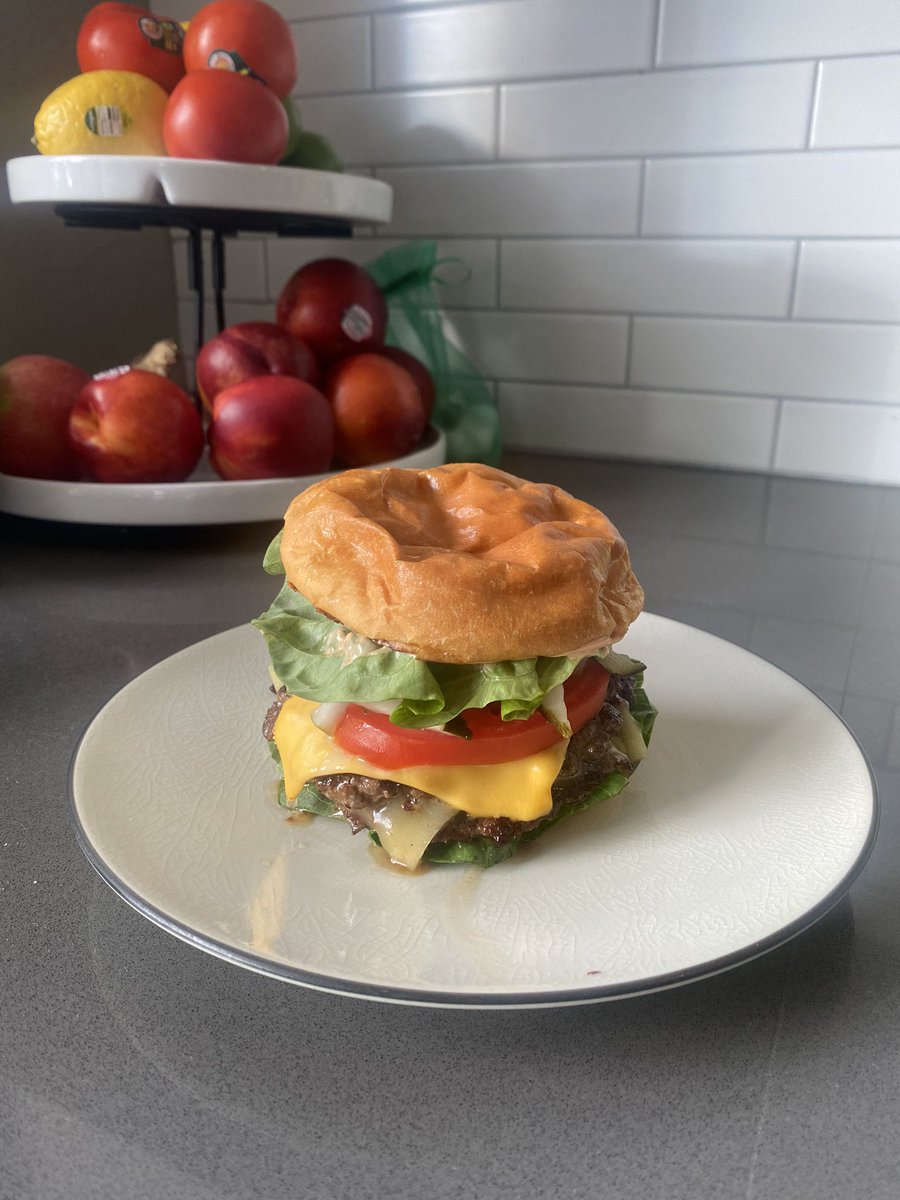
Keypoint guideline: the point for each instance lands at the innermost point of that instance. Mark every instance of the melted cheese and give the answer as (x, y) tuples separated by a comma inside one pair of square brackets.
[(518, 790)]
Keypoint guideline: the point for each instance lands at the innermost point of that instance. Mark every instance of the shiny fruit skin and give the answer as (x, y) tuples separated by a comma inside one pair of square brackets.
[(37, 393), (249, 349), (335, 307), (226, 117), (243, 35), (135, 427), (125, 37), (102, 112), (378, 411), (418, 370), (271, 427)]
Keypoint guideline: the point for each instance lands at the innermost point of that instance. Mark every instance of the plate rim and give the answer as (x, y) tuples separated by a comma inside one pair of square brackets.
[(471, 999)]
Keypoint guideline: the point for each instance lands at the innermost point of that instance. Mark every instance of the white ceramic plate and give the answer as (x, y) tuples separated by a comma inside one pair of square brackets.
[(202, 500), (751, 815), (139, 179)]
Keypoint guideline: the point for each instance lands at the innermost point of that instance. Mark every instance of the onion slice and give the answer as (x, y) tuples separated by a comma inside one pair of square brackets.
[(553, 706), (328, 716), (405, 833)]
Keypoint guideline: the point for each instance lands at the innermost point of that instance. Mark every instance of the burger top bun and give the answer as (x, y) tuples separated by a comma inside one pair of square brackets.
[(461, 563)]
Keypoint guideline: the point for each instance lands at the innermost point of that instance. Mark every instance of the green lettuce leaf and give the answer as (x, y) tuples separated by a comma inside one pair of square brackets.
[(480, 852), (272, 563), (310, 800), (642, 709), (484, 852), (320, 659), (309, 655), (519, 686)]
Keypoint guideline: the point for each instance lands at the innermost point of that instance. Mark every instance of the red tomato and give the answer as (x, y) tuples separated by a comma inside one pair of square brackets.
[(373, 737), (215, 114), (124, 37), (247, 36)]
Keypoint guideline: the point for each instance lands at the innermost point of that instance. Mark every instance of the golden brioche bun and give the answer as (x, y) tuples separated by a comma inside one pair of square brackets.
[(461, 563)]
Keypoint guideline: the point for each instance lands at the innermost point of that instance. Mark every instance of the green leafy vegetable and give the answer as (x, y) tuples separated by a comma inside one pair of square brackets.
[(272, 563), (321, 659), (310, 656), (519, 686), (310, 800), (484, 852), (642, 709), (481, 852)]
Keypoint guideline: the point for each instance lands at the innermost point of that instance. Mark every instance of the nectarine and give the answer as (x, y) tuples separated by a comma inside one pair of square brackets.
[(36, 396), (334, 306), (378, 410), (270, 427), (248, 349), (134, 426)]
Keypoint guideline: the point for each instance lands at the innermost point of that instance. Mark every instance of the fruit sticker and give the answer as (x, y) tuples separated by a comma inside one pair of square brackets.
[(162, 34), (357, 323), (230, 60), (106, 120)]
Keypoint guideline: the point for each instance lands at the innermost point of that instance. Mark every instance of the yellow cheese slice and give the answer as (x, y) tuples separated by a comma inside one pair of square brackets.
[(518, 790)]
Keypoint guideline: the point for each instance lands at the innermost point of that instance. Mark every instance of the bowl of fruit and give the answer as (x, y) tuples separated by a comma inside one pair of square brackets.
[(275, 405), (197, 113)]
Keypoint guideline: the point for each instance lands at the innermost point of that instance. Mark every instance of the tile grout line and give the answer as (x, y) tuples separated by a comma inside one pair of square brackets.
[(814, 105), (641, 200), (629, 348), (776, 433), (767, 501), (563, 75), (656, 47), (795, 282)]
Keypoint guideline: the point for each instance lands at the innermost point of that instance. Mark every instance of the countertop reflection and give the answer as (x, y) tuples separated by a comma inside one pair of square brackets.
[(134, 1066)]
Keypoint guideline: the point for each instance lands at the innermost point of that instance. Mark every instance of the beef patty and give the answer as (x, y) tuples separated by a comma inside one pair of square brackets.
[(591, 755)]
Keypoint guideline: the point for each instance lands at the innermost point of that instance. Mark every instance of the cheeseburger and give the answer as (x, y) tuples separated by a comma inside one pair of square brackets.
[(443, 663)]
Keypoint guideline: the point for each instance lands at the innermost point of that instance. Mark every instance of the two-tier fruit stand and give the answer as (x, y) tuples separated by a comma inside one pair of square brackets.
[(219, 199)]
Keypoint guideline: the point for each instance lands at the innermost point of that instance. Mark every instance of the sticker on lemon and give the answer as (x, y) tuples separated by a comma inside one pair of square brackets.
[(102, 112)]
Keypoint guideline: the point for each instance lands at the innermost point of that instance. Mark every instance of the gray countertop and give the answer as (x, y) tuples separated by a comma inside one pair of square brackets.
[(133, 1065)]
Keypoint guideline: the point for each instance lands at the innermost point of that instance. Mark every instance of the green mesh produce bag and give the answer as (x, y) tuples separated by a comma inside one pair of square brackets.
[(464, 409)]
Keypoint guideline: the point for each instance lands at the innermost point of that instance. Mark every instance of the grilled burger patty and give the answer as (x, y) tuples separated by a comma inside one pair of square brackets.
[(591, 756)]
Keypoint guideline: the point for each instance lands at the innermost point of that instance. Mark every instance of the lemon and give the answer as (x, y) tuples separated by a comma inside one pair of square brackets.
[(102, 112)]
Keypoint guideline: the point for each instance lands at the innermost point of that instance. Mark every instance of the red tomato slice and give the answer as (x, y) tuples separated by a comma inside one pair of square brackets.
[(372, 736)]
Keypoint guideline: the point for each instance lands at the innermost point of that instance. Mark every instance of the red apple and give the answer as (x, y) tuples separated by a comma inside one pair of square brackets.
[(249, 349), (133, 426), (271, 427), (334, 306), (417, 369), (378, 411), (36, 396)]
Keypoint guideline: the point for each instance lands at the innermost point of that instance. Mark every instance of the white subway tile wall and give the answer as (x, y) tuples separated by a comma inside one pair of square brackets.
[(679, 219)]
